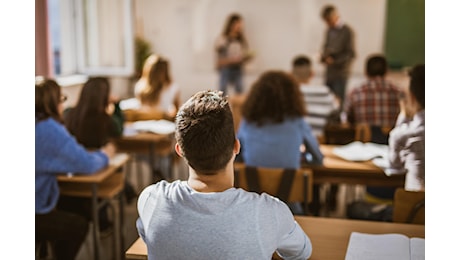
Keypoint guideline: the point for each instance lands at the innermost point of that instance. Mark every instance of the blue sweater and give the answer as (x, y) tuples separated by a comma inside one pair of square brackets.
[(277, 145), (56, 151)]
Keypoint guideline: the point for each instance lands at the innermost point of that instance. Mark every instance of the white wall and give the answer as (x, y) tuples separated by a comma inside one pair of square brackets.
[(184, 31)]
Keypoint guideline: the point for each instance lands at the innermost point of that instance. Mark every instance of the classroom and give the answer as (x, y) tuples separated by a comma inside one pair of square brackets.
[(348, 81)]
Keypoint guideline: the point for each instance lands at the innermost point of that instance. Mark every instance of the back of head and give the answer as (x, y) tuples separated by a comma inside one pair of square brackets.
[(158, 78), (94, 96), (376, 66), (301, 68), (205, 132), (47, 99), (274, 97), (417, 83)]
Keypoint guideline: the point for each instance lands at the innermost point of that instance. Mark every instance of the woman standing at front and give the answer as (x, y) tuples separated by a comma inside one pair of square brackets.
[(232, 53)]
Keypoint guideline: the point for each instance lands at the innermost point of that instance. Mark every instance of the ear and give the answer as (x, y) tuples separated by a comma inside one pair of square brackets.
[(178, 150), (236, 146)]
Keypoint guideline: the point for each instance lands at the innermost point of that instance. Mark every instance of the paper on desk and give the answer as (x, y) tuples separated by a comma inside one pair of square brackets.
[(131, 103), (384, 164), (118, 159), (155, 126), (359, 151)]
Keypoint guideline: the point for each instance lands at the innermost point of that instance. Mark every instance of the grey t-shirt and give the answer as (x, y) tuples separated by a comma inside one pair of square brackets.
[(177, 222)]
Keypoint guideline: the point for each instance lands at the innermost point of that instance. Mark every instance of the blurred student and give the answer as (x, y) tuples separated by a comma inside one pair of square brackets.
[(376, 101), (338, 52), (376, 104), (205, 217), (94, 121), (273, 127), (156, 90), (320, 102), (232, 53), (57, 151), (407, 139)]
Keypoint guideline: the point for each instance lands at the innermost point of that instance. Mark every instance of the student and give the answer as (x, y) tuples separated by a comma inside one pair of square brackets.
[(205, 217), (156, 89), (338, 52), (376, 101), (232, 53), (320, 102), (273, 129), (94, 121), (56, 151), (407, 139)]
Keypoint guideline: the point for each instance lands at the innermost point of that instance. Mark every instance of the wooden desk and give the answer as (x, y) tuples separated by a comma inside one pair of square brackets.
[(337, 170), (106, 184), (145, 143), (329, 236)]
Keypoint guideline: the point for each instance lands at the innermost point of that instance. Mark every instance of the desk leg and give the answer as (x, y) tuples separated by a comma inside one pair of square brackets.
[(121, 227), (95, 208), (152, 163)]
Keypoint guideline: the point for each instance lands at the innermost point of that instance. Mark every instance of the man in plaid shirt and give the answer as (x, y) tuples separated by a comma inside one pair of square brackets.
[(376, 102)]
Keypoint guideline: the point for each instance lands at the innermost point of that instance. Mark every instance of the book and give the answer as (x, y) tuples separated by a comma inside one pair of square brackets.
[(384, 246), (359, 151)]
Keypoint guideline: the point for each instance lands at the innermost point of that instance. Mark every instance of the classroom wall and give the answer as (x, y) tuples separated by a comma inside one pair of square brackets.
[(185, 31)]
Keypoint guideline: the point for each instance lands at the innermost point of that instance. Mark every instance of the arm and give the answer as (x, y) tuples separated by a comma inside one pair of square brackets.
[(117, 121), (67, 155), (396, 142), (311, 144), (293, 242)]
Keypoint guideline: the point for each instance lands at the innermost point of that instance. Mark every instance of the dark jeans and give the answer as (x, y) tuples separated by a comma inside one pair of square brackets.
[(337, 86), (231, 75), (65, 229)]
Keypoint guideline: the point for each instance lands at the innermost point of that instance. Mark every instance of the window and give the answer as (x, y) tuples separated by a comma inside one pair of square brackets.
[(91, 37)]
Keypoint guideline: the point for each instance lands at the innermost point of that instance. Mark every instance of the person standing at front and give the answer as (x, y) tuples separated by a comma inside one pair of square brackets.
[(338, 52)]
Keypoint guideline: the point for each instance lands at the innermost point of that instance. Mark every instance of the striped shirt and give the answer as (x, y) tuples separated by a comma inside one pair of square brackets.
[(376, 103)]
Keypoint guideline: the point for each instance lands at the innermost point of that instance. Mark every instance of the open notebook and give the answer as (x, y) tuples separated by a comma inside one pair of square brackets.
[(358, 151), (384, 246)]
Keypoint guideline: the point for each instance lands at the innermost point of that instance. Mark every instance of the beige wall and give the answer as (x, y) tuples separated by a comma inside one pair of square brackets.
[(184, 31)]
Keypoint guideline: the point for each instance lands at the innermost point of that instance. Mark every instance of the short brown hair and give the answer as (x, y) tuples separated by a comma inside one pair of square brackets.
[(274, 97), (205, 132), (47, 99)]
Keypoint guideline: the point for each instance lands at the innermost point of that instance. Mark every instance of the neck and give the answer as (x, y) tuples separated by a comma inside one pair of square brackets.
[(219, 181)]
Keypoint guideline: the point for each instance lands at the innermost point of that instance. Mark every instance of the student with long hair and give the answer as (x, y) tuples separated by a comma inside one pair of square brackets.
[(94, 121), (57, 151), (273, 128), (156, 90)]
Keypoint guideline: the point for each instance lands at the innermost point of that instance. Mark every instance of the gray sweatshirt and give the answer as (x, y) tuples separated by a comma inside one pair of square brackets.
[(177, 222)]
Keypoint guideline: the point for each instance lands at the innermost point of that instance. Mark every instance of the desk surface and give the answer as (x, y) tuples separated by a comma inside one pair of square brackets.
[(329, 236), (338, 170), (116, 162)]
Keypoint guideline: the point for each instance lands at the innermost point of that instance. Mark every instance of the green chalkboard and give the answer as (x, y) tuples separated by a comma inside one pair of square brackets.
[(405, 33)]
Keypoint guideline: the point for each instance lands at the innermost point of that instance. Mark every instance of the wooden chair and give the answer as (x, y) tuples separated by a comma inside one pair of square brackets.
[(366, 133), (409, 206), (138, 115), (289, 185)]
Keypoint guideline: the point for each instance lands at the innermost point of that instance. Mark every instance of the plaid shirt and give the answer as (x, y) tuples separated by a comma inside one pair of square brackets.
[(376, 103)]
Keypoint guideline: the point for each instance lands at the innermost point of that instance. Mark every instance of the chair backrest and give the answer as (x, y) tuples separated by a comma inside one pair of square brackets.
[(375, 134), (409, 206), (289, 185)]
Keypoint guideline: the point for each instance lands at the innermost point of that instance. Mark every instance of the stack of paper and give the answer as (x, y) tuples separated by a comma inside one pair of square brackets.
[(155, 126)]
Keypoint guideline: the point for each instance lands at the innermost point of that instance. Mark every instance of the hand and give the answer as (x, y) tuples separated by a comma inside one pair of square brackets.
[(114, 99), (110, 109), (109, 149)]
